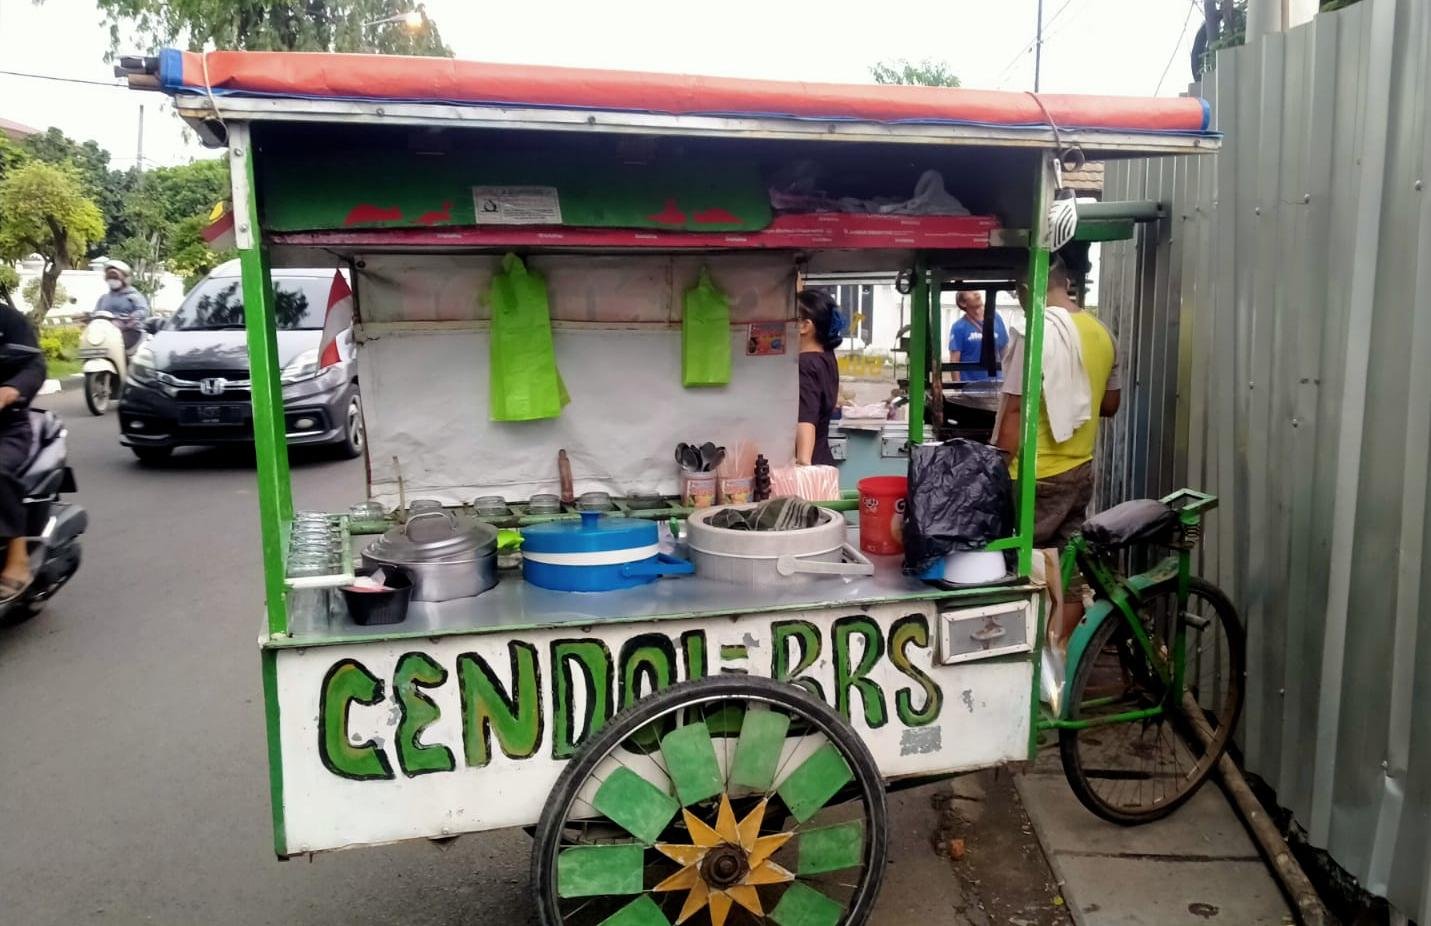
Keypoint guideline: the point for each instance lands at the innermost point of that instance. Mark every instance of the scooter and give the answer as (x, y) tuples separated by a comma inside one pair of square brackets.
[(105, 360), (53, 527)]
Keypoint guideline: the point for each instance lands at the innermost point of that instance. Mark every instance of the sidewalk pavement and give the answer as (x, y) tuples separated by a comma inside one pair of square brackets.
[(1197, 867)]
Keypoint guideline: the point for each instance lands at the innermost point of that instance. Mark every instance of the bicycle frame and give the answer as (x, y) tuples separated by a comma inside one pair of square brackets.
[(1117, 597)]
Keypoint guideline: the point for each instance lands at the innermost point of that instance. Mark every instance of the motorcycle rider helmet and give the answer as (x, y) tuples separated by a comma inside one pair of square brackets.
[(119, 267)]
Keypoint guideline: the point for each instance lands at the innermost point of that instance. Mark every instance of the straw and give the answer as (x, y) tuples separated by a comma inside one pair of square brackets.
[(739, 461)]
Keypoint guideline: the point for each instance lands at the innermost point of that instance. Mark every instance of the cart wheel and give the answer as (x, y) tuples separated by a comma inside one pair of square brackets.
[(724, 800)]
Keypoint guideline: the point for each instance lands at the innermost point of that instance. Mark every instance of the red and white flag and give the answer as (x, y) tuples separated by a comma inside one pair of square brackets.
[(338, 320)]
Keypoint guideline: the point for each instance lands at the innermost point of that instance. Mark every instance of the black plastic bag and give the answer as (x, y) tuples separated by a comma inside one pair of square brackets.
[(960, 498)]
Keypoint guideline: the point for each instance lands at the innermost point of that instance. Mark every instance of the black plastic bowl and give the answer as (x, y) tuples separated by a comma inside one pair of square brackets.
[(389, 607)]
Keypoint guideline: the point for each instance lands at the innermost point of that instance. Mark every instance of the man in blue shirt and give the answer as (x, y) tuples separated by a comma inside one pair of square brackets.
[(966, 337)]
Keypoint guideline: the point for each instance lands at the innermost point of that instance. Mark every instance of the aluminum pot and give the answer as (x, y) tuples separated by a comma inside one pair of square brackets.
[(447, 558), (758, 558)]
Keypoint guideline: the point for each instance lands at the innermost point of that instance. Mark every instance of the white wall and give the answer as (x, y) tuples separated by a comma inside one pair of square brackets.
[(86, 286)]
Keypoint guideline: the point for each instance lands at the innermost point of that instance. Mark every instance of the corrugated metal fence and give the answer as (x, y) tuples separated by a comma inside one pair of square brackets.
[(1280, 356)]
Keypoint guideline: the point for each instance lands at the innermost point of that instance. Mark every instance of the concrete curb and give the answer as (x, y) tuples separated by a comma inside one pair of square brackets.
[(53, 386)]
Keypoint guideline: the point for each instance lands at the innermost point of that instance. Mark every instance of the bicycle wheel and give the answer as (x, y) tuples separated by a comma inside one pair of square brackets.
[(1136, 771), (726, 800)]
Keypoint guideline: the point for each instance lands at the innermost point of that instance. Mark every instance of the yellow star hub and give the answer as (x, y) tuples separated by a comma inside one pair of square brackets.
[(724, 865)]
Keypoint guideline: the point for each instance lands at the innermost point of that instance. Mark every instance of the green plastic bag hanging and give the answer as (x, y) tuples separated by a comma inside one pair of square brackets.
[(705, 335), (525, 383)]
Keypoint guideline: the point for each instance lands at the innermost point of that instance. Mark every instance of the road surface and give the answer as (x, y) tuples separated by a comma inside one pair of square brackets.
[(133, 782)]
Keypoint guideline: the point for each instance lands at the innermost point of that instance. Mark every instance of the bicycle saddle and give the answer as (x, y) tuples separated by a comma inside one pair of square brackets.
[(1142, 519)]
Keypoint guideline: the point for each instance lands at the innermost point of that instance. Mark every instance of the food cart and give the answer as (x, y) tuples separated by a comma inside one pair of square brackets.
[(685, 749)]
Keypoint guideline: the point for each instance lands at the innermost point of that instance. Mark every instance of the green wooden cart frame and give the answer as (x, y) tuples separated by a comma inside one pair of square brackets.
[(727, 752)]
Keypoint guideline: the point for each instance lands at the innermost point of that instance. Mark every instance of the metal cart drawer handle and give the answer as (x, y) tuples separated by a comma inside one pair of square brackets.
[(852, 563)]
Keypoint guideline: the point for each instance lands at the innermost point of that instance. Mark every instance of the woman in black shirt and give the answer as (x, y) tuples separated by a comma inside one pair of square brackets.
[(821, 331)]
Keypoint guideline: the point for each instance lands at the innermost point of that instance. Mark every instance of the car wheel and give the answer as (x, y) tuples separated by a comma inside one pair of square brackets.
[(354, 437), (153, 454)]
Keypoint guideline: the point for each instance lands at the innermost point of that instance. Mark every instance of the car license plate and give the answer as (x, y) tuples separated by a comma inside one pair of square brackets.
[(213, 414)]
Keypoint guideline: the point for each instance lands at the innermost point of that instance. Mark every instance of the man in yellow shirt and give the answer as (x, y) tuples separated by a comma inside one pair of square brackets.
[(1064, 473)]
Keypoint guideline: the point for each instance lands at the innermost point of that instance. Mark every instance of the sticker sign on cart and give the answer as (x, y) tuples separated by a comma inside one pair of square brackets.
[(394, 739), (516, 205)]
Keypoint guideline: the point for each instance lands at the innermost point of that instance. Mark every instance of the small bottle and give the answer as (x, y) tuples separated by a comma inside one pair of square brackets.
[(760, 489)]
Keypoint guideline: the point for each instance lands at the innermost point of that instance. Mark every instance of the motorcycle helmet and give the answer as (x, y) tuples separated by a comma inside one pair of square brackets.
[(119, 265)]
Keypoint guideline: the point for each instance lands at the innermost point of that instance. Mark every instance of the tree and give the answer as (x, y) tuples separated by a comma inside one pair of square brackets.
[(167, 213), (44, 211), (31, 293), (926, 73), (1227, 28), (276, 25), (190, 255), (108, 188), (9, 281), (11, 155)]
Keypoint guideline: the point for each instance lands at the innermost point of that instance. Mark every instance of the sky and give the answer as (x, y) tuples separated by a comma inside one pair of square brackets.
[(1135, 47)]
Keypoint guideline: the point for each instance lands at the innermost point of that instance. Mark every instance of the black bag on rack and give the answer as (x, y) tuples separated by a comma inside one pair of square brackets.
[(960, 498)]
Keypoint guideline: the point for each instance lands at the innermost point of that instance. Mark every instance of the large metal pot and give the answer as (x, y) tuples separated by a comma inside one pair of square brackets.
[(447, 558), (772, 557)]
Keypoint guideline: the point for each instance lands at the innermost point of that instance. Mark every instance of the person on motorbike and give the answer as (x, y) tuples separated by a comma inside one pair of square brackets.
[(124, 302), (18, 386)]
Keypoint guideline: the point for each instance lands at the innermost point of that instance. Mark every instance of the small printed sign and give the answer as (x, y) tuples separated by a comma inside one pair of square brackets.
[(766, 339), (516, 205)]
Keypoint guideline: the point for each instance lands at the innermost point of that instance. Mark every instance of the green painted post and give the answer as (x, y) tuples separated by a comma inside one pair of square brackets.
[(1033, 369), (918, 349), (275, 499), (269, 659)]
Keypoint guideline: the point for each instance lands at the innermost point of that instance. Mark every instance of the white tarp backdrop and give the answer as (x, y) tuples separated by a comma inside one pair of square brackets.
[(423, 346)]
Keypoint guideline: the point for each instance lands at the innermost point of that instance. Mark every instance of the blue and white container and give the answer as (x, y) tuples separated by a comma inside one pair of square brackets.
[(596, 554)]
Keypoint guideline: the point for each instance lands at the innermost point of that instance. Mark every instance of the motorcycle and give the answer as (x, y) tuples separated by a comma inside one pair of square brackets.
[(106, 361), (52, 526)]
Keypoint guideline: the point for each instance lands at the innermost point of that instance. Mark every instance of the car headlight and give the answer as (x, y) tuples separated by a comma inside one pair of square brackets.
[(304, 366), (141, 366)]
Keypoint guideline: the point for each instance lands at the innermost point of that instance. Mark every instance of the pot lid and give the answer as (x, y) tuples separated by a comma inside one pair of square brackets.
[(431, 536), (594, 533)]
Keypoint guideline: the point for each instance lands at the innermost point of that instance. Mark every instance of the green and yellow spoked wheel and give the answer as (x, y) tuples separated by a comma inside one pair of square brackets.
[(721, 801)]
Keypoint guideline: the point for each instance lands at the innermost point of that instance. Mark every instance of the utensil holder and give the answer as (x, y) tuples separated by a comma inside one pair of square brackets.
[(735, 490), (698, 490)]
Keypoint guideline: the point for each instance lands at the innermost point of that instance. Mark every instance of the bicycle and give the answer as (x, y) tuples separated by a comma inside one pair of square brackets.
[(1157, 665)]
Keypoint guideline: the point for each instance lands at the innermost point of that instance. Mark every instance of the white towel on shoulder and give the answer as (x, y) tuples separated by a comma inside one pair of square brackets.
[(1067, 398)]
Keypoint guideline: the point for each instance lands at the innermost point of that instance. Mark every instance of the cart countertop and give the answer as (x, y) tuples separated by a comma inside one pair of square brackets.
[(513, 604)]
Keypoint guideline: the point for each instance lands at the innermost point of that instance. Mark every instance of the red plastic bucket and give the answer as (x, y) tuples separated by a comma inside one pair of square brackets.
[(882, 514)]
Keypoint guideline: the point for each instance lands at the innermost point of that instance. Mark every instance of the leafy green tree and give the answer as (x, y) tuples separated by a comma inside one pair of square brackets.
[(925, 73), (190, 256), (11, 155), (44, 211), (277, 25), (9, 281), (167, 213), (31, 293), (108, 188)]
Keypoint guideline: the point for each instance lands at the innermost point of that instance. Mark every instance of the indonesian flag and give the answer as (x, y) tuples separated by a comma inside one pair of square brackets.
[(219, 233), (338, 320)]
